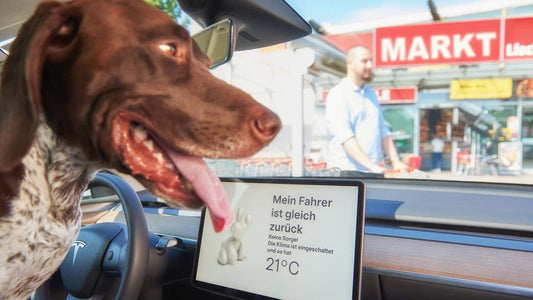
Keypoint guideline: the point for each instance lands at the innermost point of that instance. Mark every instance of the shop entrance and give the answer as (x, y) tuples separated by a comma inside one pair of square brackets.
[(435, 123)]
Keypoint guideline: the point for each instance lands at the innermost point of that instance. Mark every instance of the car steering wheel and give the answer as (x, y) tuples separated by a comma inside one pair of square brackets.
[(103, 250)]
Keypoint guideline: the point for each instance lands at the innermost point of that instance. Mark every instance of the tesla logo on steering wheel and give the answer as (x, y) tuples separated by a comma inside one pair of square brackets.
[(77, 245)]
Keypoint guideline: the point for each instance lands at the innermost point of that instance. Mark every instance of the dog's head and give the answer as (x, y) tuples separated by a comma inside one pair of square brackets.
[(123, 82)]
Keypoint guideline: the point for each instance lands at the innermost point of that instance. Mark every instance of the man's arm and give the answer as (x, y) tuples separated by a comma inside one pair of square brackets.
[(390, 151), (353, 149)]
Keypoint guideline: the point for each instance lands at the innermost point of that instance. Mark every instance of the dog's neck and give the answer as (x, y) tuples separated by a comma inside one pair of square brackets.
[(56, 168), (51, 169), (44, 216)]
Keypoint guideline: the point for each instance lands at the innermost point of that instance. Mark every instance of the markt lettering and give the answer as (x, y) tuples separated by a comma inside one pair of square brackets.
[(437, 47)]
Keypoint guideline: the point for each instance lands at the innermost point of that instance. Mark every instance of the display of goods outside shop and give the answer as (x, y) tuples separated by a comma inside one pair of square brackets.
[(267, 167)]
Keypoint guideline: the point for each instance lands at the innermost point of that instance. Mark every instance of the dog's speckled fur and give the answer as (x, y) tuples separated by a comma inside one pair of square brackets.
[(45, 216)]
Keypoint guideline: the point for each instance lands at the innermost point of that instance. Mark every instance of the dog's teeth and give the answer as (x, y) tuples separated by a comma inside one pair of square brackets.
[(170, 166), (150, 145), (189, 186), (159, 157), (140, 132)]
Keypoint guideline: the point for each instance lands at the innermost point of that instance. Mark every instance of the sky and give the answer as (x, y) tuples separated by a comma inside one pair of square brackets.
[(349, 11), (335, 13)]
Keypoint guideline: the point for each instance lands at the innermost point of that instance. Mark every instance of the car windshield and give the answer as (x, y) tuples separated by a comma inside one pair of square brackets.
[(453, 79), (452, 82)]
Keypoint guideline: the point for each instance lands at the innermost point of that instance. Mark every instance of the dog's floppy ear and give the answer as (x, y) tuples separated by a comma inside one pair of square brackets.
[(50, 29)]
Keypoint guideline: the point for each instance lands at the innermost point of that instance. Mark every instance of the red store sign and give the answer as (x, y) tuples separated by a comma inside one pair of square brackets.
[(518, 42), (438, 43), (397, 95)]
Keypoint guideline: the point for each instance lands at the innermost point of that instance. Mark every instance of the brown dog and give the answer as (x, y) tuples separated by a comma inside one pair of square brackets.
[(108, 84)]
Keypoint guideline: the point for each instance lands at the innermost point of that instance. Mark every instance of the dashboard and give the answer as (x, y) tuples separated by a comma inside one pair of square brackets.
[(422, 240)]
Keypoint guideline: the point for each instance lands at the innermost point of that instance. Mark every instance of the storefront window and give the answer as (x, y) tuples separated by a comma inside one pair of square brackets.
[(401, 123), (506, 128), (527, 136)]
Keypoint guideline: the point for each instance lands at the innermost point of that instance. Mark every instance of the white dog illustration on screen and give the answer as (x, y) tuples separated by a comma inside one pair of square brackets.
[(233, 248)]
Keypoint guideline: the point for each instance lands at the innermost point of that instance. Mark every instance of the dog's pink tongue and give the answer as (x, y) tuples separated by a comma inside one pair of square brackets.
[(207, 187)]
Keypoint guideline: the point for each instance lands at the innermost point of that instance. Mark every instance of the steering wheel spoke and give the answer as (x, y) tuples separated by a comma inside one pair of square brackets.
[(109, 249)]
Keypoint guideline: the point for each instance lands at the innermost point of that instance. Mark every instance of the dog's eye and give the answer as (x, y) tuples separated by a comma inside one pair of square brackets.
[(168, 49)]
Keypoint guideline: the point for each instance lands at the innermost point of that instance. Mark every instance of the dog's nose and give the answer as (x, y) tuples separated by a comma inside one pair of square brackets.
[(266, 126)]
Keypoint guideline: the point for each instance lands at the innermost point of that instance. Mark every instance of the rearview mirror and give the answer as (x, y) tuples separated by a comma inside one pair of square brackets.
[(216, 42), (256, 23)]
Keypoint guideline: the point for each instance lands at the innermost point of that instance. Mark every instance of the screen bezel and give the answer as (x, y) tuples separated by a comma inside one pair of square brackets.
[(360, 222)]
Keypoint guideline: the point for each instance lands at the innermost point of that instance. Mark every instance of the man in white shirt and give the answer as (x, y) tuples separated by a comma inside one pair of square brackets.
[(437, 146), (359, 136)]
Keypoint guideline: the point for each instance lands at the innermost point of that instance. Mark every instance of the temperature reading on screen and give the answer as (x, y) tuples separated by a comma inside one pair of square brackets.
[(276, 265)]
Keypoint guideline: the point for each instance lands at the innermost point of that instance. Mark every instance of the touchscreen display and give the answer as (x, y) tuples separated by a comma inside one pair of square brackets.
[(289, 239)]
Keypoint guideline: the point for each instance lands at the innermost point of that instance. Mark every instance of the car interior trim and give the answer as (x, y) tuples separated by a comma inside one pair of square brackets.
[(459, 282), (457, 238), (478, 263)]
